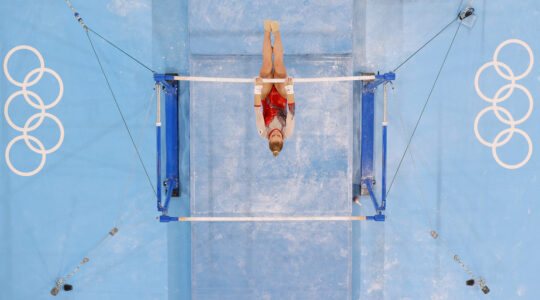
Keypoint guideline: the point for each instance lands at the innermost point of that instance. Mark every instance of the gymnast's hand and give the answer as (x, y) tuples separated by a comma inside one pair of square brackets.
[(258, 87), (257, 90), (289, 81), (290, 90)]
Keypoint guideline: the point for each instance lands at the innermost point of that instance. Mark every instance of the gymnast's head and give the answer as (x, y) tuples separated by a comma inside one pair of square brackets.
[(275, 142)]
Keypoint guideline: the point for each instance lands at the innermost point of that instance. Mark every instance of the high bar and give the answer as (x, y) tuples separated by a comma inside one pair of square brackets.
[(273, 80)]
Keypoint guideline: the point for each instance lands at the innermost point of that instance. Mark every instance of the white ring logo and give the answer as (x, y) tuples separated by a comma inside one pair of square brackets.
[(509, 120), (37, 105)]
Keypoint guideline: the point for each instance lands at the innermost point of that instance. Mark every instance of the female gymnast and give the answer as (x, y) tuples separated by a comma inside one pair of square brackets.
[(273, 121)]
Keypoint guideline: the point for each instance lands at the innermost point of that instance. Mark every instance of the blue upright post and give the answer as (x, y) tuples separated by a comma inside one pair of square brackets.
[(384, 138), (367, 178), (172, 181), (158, 145), (171, 137), (383, 185), (367, 138)]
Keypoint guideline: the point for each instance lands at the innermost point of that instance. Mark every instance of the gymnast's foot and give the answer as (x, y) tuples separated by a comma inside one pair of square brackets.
[(267, 25), (275, 26)]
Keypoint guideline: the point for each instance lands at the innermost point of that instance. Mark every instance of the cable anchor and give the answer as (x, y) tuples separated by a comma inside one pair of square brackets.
[(113, 231), (470, 282), (77, 16), (466, 13), (61, 282)]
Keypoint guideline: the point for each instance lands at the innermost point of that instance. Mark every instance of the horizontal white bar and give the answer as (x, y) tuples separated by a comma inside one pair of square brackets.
[(269, 219), (273, 80)]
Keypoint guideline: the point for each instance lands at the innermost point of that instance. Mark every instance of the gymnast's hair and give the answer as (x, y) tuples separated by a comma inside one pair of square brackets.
[(276, 147)]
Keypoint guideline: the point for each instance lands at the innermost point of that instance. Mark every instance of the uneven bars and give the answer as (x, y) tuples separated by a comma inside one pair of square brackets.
[(270, 219), (273, 80)]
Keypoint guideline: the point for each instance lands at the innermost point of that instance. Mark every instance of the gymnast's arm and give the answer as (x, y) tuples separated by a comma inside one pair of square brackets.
[(289, 127), (259, 118)]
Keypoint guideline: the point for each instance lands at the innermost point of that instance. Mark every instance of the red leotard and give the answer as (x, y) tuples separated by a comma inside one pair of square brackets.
[(274, 105)]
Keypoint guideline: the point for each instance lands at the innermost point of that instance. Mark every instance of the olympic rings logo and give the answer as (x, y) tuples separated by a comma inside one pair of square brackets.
[(37, 104), (507, 119)]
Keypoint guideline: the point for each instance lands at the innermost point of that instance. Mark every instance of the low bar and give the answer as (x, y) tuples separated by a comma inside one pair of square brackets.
[(165, 218)]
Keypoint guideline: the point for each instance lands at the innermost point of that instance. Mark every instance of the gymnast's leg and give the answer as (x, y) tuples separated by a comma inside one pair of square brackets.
[(266, 68), (279, 67)]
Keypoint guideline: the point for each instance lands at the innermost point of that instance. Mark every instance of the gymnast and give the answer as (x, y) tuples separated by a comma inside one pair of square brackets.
[(273, 121)]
